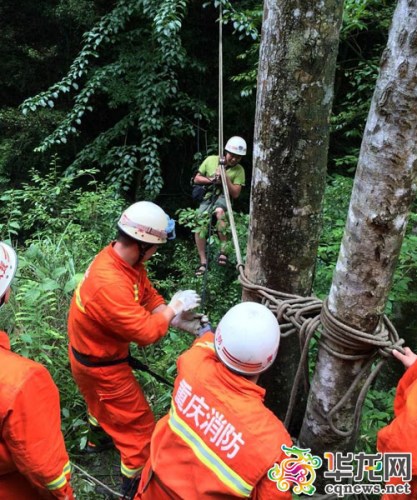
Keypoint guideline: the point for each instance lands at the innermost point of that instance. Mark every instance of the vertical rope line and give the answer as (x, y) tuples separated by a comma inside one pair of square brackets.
[(221, 82), (221, 148)]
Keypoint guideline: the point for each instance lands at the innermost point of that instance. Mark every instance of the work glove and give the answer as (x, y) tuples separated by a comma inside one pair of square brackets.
[(184, 300), (190, 322)]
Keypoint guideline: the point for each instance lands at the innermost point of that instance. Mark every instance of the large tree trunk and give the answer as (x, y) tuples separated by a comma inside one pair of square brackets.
[(295, 90), (383, 192)]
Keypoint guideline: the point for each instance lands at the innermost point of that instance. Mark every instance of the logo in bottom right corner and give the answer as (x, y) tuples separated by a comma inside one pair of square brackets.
[(351, 473), (298, 471)]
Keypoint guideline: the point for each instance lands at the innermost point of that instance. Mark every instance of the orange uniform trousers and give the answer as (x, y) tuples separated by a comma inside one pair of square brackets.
[(116, 400)]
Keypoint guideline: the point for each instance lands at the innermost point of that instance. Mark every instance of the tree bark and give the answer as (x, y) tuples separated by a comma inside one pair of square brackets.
[(295, 91), (383, 191)]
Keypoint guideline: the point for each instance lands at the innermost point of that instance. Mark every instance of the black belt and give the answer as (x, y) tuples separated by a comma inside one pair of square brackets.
[(133, 363), (85, 360)]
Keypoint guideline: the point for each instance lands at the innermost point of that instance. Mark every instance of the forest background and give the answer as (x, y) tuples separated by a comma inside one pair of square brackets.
[(106, 103)]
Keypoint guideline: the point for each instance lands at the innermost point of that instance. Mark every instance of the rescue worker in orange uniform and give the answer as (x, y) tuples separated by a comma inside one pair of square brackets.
[(219, 440), (116, 304), (34, 463), (400, 436)]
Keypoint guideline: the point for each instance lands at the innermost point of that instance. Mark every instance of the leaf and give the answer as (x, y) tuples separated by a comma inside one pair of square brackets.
[(26, 338)]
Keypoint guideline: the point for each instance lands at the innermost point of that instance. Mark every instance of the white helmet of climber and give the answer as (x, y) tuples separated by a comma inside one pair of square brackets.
[(236, 145), (8, 266), (247, 338), (145, 221)]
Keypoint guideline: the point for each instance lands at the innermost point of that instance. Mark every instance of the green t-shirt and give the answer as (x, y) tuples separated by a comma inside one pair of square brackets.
[(236, 174)]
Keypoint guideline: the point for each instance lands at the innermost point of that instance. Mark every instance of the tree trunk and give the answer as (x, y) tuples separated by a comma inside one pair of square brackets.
[(295, 90), (383, 192)]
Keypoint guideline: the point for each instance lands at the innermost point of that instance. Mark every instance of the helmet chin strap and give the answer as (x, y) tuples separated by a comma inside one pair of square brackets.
[(143, 247)]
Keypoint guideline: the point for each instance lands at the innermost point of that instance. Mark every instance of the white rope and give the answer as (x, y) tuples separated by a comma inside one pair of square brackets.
[(221, 139), (221, 149), (96, 481)]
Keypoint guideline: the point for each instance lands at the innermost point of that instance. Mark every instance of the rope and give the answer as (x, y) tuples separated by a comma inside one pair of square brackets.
[(306, 315), (220, 81), (309, 315), (96, 481), (221, 139), (367, 345), (222, 172), (208, 255)]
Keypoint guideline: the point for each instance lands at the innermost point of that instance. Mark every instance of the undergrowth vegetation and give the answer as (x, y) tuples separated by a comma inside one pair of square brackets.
[(131, 105), (59, 227)]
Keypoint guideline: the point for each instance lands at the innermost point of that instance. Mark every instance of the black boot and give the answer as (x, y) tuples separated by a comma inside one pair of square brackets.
[(129, 486), (97, 440)]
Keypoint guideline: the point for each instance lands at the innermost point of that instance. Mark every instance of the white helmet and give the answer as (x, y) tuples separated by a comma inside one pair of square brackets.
[(8, 266), (236, 145), (247, 338), (145, 221)]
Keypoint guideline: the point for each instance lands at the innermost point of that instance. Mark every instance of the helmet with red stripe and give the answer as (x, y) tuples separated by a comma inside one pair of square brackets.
[(147, 222), (247, 338), (8, 265)]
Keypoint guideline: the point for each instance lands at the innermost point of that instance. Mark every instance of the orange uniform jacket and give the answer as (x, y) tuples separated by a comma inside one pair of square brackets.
[(401, 434), (111, 308), (218, 441), (33, 461)]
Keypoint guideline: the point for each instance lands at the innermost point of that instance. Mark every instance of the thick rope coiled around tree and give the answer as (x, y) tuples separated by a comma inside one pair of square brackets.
[(309, 316)]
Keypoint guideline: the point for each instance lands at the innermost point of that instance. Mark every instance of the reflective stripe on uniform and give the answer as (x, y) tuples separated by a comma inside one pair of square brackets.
[(78, 300), (61, 480), (222, 471), (129, 472), (136, 292), (57, 483), (206, 345), (93, 421), (67, 468)]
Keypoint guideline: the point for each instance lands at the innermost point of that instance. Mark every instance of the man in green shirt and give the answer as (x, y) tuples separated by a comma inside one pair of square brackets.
[(209, 175)]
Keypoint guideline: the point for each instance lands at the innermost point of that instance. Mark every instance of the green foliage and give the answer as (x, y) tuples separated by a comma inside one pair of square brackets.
[(139, 74), (363, 38), (37, 323), (45, 282), (249, 22), (377, 412), (200, 223), (194, 220), (61, 228), (245, 21), (335, 207), (366, 15), (19, 136), (52, 206)]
